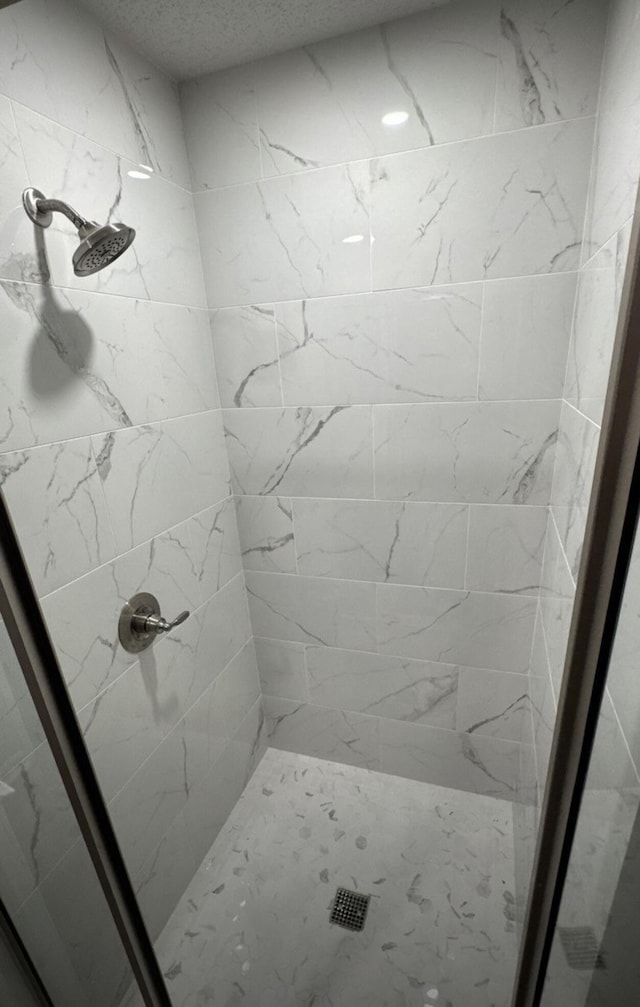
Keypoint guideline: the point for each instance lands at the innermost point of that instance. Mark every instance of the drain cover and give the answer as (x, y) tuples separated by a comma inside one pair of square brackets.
[(581, 947), (349, 909)]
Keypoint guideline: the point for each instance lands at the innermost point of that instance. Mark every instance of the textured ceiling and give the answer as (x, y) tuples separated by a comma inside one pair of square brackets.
[(187, 38)]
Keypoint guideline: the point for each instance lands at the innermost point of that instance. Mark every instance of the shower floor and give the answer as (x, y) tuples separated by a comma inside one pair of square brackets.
[(253, 927)]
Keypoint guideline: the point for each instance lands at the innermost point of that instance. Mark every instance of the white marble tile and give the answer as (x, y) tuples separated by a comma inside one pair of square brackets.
[(484, 452), (210, 804), (449, 759), (215, 547), (48, 58), (148, 803), (36, 807), (157, 475), (404, 543), (526, 324), (494, 704), (183, 345), (56, 502), (165, 876), (549, 66), (506, 548), (225, 629), (284, 237), (312, 610), (13, 175), (72, 938), (391, 346), (594, 330), (246, 353), (543, 709), (420, 692), (221, 128), (79, 363), (282, 668), (324, 103), (437, 863), (153, 117), (162, 264), (213, 720), (82, 616), (265, 525), (20, 728), (473, 629), (327, 734), (75, 363), (301, 452), (573, 477), (617, 148), (120, 729), (505, 205)]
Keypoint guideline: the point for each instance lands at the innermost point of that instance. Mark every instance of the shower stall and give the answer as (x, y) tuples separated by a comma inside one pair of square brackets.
[(318, 598)]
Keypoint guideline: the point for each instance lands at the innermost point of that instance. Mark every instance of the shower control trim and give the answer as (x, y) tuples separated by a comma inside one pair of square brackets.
[(141, 622)]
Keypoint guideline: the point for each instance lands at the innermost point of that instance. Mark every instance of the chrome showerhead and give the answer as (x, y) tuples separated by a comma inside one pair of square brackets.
[(100, 245)]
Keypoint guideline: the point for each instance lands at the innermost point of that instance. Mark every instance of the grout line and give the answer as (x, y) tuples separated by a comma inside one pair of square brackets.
[(425, 148)]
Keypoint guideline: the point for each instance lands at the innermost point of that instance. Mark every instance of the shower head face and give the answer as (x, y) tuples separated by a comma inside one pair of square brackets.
[(101, 245)]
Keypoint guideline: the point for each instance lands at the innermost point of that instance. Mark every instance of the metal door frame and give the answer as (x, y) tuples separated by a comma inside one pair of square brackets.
[(608, 543)]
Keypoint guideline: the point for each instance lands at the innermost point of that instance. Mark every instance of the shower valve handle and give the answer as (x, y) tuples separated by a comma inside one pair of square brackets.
[(141, 622), (156, 623)]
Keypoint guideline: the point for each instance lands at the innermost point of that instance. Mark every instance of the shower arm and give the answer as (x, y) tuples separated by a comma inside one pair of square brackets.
[(59, 206), (40, 210)]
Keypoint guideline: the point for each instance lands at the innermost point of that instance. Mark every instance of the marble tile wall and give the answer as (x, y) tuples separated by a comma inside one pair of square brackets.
[(391, 312), (114, 465)]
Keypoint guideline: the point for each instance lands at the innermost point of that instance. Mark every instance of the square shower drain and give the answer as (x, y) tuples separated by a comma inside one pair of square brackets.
[(349, 909), (580, 947)]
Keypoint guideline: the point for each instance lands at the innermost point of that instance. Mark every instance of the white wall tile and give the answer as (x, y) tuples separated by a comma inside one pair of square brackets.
[(157, 475), (13, 182), (183, 344), (506, 548), (215, 547), (56, 502), (266, 531), (573, 477), (283, 237), (60, 62), (391, 346), (246, 352), (312, 610), (617, 149), (405, 543), (526, 324), (20, 727), (481, 630), (493, 704), (301, 452), (549, 67), (485, 452), (449, 759), (424, 693), (221, 128), (162, 264), (120, 729), (324, 103), (282, 668), (327, 734), (594, 330), (517, 198)]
